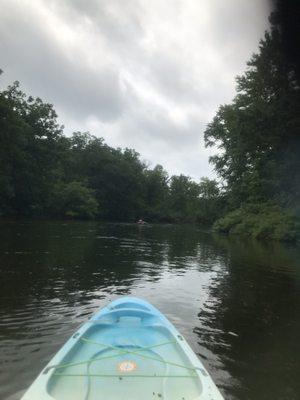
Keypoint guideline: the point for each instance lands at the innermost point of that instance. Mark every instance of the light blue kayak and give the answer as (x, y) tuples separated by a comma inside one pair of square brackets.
[(126, 351)]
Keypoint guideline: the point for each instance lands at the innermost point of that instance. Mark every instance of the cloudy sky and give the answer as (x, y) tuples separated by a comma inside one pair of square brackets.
[(146, 74)]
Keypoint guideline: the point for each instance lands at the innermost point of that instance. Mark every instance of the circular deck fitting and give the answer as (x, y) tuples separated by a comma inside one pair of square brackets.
[(127, 366)]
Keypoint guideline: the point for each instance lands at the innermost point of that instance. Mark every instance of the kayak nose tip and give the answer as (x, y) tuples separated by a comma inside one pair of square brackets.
[(130, 302)]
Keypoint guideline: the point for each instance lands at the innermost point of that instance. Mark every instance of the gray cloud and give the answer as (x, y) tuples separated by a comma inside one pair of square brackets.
[(35, 58), (143, 74), (119, 23)]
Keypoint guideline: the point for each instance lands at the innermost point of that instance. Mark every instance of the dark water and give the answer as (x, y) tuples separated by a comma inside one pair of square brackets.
[(237, 302)]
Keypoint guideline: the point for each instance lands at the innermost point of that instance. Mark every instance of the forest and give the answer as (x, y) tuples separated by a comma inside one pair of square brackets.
[(46, 174)]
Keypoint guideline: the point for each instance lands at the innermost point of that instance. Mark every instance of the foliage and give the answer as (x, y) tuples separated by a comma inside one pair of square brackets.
[(156, 194), (183, 199), (263, 221), (258, 142), (212, 202), (30, 151), (44, 173), (258, 134), (73, 200)]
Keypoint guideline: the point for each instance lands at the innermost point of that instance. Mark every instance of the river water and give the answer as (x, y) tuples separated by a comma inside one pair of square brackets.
[(237, 302)]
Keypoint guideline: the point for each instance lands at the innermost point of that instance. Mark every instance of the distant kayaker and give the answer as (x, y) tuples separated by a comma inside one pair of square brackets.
[(141, 222)]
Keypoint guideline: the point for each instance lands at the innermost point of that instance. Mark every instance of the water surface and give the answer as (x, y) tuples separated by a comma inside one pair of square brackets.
[(236, 301)]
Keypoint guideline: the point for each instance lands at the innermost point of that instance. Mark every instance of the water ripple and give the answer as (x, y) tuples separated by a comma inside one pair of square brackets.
[(236, 302)]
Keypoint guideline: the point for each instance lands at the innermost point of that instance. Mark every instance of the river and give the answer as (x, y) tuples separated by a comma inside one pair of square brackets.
[(236, 301)]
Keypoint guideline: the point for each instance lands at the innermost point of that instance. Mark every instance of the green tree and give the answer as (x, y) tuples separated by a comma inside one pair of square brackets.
[(258, 134), (156, 193), (115, 175), (30, 152), (73, 200), (183, 198), (212, 202)]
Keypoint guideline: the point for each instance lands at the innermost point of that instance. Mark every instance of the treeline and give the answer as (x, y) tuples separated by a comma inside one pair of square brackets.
[(257, 138), (46, 174)]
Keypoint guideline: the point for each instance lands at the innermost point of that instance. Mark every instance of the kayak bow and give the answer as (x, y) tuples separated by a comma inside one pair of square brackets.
[(126, 351)]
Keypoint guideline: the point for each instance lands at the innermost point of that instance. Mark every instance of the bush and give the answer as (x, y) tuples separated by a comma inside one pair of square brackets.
[(261, 221)]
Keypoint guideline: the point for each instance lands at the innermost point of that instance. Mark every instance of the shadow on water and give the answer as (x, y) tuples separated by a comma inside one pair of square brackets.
[(237, 302)]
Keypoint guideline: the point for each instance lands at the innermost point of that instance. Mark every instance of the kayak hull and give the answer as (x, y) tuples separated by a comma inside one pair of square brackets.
[(127, 350)]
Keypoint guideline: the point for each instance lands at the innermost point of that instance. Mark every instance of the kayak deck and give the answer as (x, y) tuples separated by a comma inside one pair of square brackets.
[(129, 350)]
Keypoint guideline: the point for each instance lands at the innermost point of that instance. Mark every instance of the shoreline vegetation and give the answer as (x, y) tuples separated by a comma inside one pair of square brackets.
[(45, 174)]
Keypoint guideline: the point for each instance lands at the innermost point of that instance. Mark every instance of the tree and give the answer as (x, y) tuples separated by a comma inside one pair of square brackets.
[(156, 193), (184, 198), (209, 189), (212, 202), (258, 134), (258, 142), (74, 200), (30, 149)]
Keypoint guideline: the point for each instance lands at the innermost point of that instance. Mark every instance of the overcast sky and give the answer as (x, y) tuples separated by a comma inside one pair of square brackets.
[(145, 74)]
